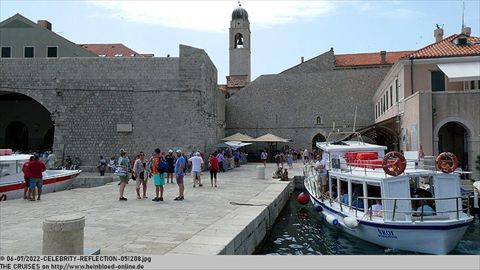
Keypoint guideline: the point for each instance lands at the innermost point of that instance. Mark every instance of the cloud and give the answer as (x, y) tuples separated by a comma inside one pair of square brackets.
[(212, 15)]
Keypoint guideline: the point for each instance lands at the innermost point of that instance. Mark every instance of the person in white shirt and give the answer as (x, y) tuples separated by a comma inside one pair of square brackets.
[(264, 157), (51, 160), (377, 208), (197, 162), (306, 156), (321, 167)]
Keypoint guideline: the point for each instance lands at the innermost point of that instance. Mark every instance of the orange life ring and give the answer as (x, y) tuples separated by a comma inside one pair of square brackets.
[(394, 163), (446, 162)]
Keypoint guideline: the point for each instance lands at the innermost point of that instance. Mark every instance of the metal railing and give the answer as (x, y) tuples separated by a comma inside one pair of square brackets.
[(457, 210)]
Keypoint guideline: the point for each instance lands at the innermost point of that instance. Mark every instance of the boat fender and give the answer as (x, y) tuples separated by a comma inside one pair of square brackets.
[(317, 207), (331, 219), (350, 222), (303, 198)]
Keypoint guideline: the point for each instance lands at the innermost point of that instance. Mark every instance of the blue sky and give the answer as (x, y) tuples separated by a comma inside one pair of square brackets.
[(282, 31)]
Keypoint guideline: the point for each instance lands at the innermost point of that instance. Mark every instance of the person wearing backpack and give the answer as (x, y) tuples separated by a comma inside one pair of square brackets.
[(158, 171)]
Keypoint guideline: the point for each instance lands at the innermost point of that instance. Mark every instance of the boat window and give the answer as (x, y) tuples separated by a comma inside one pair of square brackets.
[(373, 192), (343, 191), (333, 188), (421, 187), (357, 191)]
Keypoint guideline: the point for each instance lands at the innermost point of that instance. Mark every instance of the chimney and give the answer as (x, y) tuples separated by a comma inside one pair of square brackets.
[(302, 59), (383, 57), (467, 31), (45, 24), (438, 34)]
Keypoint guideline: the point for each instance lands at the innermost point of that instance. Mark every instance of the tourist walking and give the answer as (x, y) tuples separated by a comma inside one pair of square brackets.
[(121, 170), (141, 175), (26, 177), (171, 166), (290, 160), (180, 168), (196, 161), (111, 164), (36, 168), (213, 167), (158, 171), (221, 160), (51, 159), (102, 166), (306, 156), (264, 157)]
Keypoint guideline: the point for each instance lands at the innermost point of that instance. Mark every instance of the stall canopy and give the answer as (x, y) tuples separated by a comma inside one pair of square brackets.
[(238, 137), (270, 138), (236, 144), (457, 72)]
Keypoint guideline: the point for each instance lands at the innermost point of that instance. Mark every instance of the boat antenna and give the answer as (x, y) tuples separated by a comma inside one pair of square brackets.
[(355, 118)]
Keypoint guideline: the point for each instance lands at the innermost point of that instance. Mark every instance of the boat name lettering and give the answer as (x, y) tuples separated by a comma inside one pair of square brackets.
[(386, 234)]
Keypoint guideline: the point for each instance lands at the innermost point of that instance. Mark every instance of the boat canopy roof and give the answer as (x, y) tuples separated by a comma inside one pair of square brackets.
[(349, 146)]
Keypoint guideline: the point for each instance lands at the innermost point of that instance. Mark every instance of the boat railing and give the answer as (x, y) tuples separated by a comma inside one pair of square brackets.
[(421, 214)]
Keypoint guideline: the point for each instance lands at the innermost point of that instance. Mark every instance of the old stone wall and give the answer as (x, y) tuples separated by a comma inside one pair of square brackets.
[(169, 102), (288, 105)]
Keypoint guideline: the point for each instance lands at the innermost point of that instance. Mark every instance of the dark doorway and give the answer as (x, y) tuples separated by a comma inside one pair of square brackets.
[(25, 124), (16, 136), (318, 138), (452, 137)]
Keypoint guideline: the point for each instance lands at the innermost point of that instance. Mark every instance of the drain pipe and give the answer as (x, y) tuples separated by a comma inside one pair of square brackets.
[(411, 76)]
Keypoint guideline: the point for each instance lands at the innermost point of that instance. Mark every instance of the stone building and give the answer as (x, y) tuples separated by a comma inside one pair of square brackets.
[(307, 101), (97, 105), (430, 98)]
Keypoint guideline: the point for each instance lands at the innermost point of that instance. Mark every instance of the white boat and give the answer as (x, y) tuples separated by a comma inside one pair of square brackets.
[(397, 225), (12, 183)]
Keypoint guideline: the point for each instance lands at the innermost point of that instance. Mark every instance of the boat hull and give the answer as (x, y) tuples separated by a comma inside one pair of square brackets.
[(12, 186), (427, 237)]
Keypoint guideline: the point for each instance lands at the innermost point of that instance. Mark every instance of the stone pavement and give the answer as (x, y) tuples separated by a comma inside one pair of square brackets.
[(143, 226)]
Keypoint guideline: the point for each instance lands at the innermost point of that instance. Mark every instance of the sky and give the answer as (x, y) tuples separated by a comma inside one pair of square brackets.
[(282, 31)]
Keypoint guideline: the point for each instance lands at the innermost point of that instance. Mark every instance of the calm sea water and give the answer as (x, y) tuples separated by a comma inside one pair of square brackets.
[(300, 231)]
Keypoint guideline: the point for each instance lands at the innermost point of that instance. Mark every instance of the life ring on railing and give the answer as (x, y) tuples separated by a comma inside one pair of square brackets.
[(394, 163), (446, 162)]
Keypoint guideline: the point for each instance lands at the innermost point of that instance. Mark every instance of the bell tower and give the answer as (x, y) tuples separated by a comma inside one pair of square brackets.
[(239, 48)]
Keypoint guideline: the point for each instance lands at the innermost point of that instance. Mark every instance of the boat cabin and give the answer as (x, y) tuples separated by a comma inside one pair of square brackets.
[(357, 180)]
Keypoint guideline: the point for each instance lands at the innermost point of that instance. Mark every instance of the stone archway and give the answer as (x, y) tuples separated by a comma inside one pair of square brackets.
[(382, 136), (317, 138), (25, 124), (453, 137)]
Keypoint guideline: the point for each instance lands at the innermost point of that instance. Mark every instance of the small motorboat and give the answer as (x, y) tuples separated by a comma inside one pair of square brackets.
[(12, 182)]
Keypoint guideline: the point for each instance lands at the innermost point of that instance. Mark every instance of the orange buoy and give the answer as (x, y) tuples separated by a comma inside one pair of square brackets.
[(394, 163), (446, 162)]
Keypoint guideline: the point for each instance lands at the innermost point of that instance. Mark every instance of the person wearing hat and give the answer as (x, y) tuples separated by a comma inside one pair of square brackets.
[(180, 166), (171, 166), (197, 163), (122, 171)]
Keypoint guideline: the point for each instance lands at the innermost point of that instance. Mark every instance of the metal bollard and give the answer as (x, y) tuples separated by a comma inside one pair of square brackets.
[(63, 235)]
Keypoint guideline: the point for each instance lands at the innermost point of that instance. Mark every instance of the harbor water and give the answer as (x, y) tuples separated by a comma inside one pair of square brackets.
[(299, 230)]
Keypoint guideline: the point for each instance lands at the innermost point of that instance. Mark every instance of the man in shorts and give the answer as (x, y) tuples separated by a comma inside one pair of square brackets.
[(26, 176), (197, 163), (158, 178), (36, 167), (180, 166)]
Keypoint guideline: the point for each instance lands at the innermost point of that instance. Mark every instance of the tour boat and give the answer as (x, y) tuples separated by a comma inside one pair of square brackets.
[(12, 183), (360, 173)]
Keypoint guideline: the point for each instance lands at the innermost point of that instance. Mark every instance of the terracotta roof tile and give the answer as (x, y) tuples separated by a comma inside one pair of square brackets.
[(111, 50), (448, 48), (368, 59)]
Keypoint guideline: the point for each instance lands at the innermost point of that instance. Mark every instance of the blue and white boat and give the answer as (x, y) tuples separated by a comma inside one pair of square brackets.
[(404, 221)]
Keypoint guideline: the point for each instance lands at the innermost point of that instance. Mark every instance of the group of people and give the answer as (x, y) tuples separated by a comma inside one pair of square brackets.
[(32, 173), (162, 168)]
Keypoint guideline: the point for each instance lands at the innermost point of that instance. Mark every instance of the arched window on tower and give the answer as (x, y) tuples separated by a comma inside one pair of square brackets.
[(238, 40)]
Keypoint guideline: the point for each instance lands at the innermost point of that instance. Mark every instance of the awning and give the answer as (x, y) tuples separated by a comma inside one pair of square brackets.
[(457, 72), (271, 138), (239, 137)]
